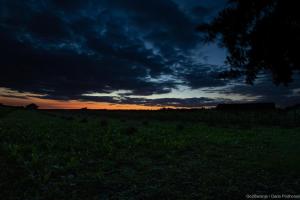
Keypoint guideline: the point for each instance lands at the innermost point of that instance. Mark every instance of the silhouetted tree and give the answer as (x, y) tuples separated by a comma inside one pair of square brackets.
[(32, 106), (259, 35)]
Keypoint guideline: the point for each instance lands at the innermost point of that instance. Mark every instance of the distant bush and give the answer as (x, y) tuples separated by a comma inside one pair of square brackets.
[(32, 106)]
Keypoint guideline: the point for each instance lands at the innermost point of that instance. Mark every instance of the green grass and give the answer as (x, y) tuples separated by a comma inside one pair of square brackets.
[(146, 155)]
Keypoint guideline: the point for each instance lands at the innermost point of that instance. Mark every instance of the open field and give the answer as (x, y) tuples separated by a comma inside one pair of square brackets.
[(202, 154)]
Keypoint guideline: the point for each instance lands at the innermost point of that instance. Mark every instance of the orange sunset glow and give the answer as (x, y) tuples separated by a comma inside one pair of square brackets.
[(72, 104)]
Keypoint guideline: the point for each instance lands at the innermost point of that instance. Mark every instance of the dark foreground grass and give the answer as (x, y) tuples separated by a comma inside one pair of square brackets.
[(74, 155)]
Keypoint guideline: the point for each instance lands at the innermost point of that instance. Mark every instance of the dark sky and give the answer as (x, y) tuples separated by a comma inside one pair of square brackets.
[(119, 52)]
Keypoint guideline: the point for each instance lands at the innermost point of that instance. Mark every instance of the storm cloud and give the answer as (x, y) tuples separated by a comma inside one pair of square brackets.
[(64, 49)]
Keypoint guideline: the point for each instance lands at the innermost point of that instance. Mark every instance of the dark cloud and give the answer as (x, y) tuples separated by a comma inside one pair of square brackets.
[(13, 96), (174, 102), (178, 102), (70, 5), (64, 49), (47, 25), (201, 11), (203, 75), (265, 91), (47, 49)]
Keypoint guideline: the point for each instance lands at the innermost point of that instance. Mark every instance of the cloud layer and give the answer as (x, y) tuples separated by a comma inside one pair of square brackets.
[(64, 49)]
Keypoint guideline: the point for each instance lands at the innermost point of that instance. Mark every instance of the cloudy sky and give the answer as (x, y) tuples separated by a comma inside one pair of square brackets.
[(119, 54)]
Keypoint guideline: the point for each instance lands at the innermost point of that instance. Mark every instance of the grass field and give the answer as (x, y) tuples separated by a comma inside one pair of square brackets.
[(203, 154)]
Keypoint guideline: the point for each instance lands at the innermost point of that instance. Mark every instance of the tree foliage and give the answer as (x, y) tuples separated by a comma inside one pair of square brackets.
[(260, 35)]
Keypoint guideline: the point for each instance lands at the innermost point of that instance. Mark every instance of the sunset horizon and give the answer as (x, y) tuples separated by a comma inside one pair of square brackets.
[(149, 99), (127, 54)]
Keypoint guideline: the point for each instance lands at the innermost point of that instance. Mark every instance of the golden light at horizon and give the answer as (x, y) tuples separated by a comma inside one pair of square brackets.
[(72, 104), (16, 98)]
